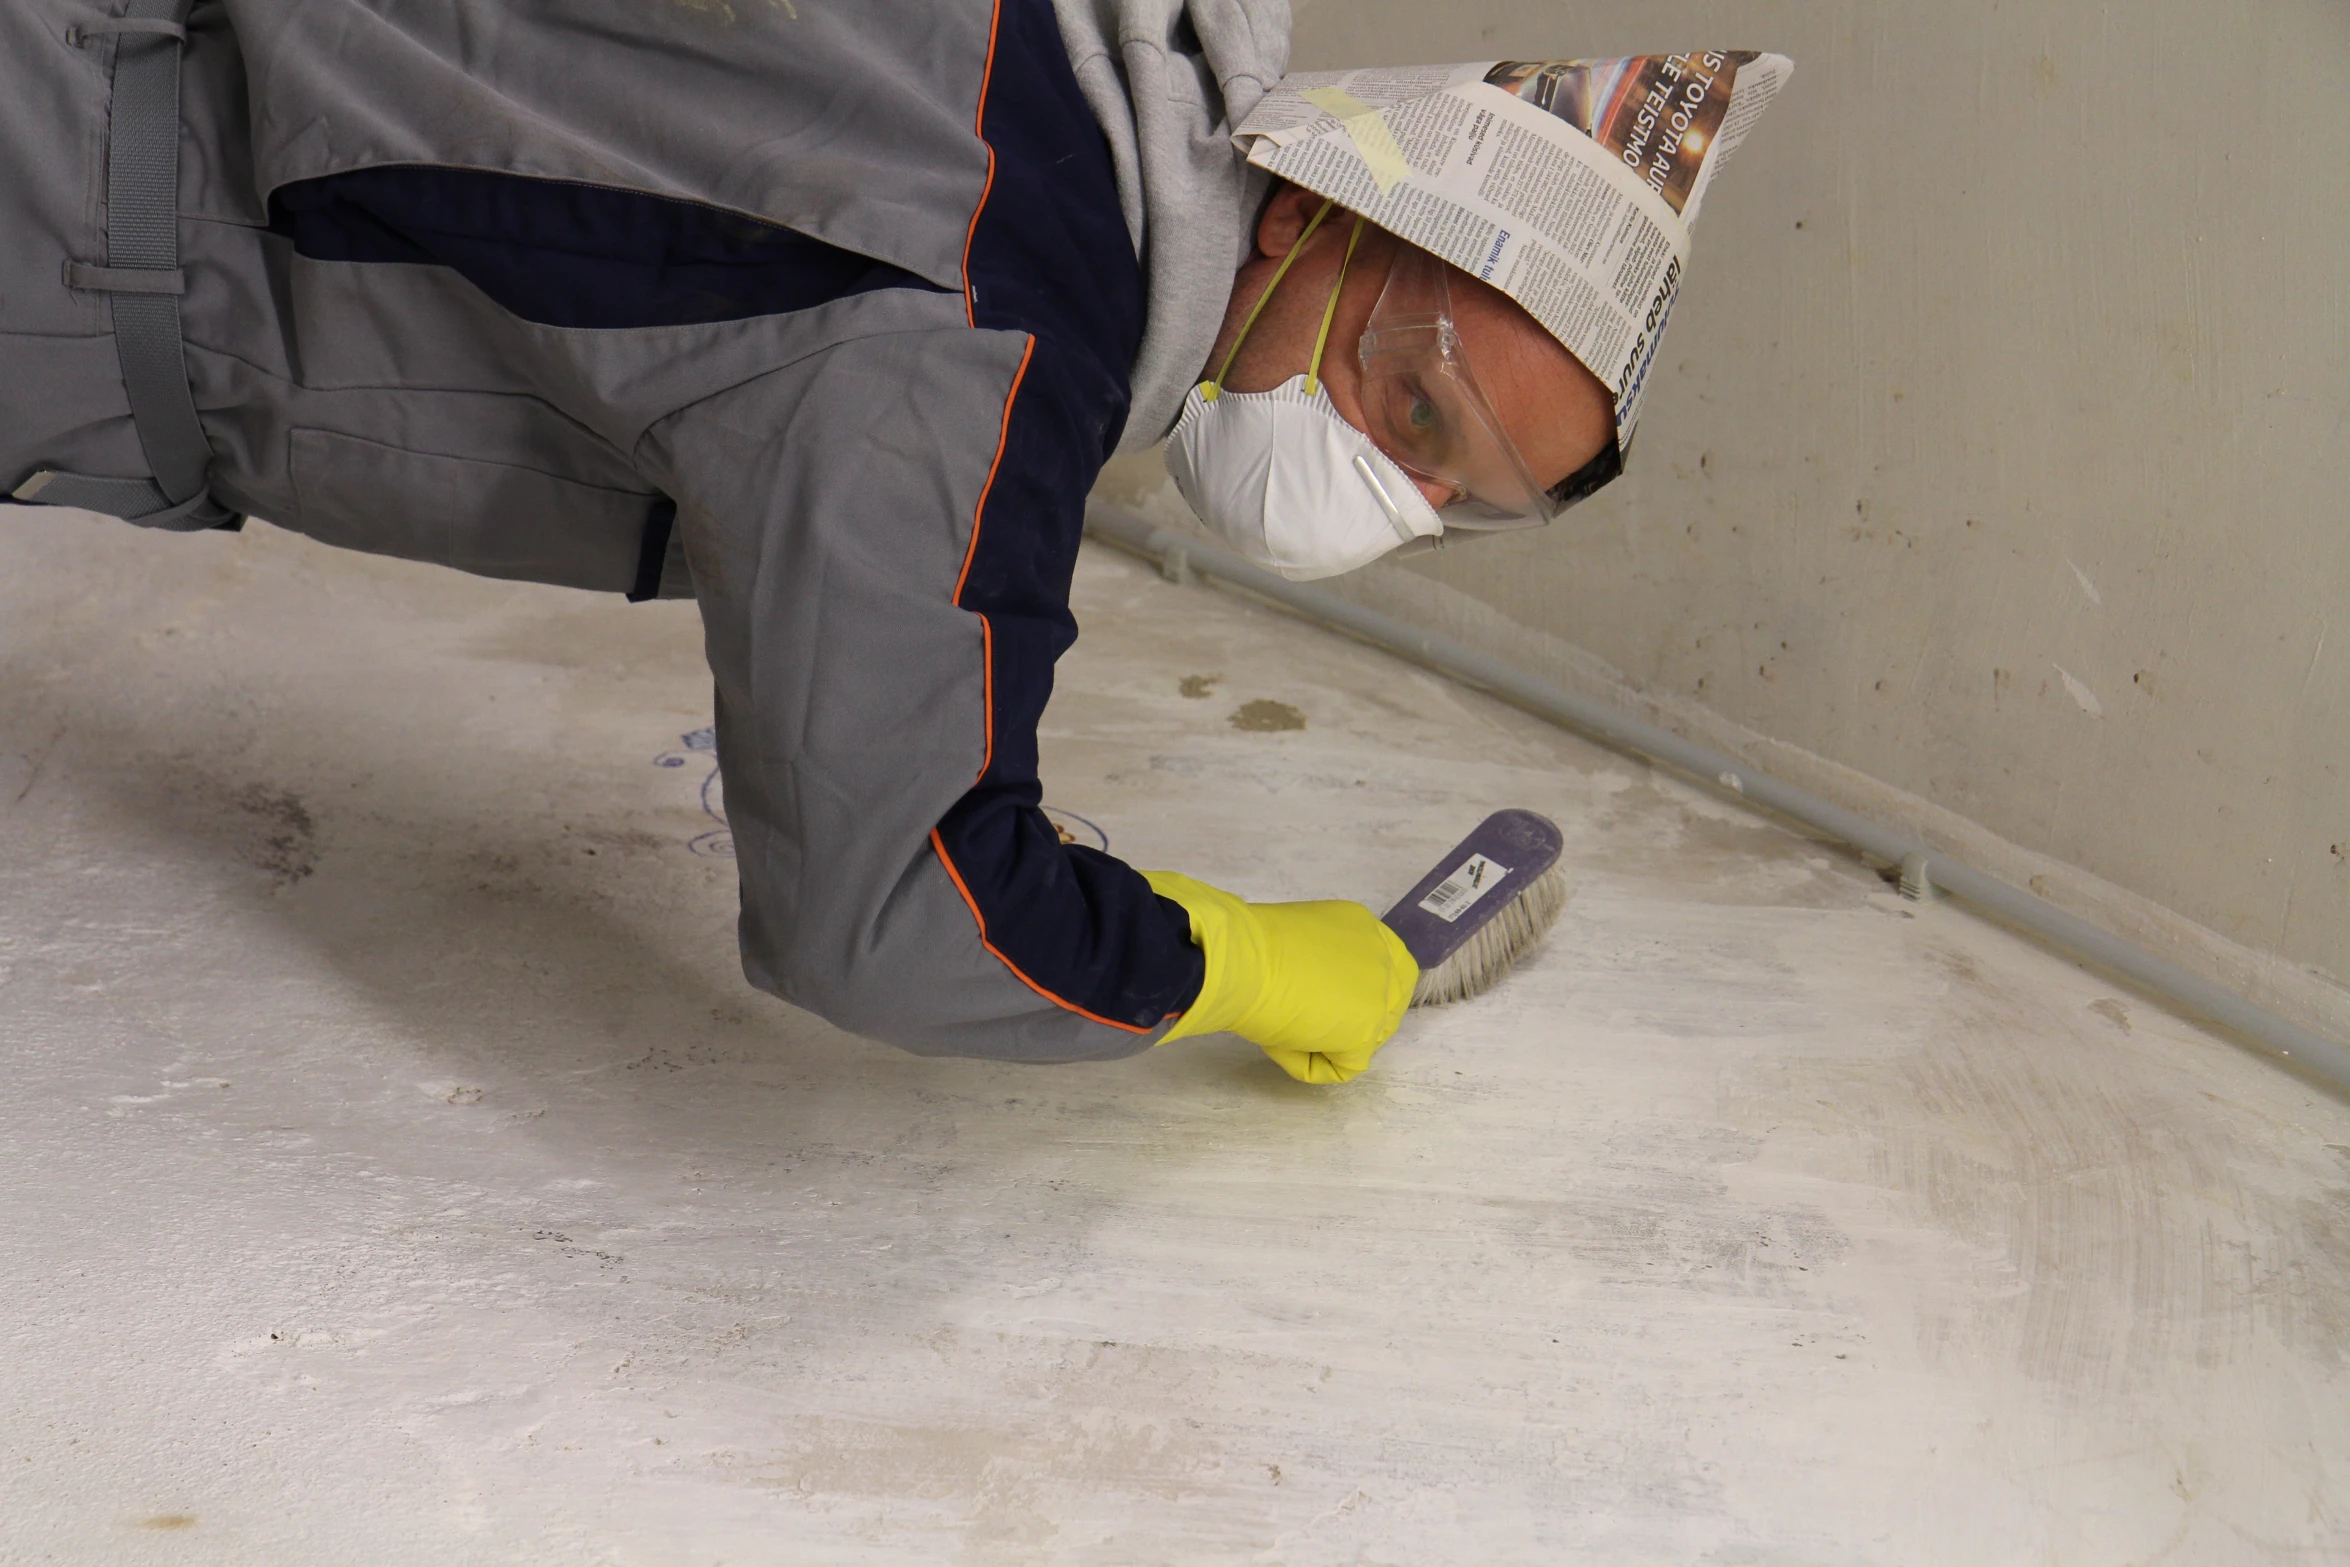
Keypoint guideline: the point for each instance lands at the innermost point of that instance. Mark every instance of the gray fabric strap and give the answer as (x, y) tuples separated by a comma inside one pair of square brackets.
[(133, 500), (115, 497), (142, 231), (142, 281)]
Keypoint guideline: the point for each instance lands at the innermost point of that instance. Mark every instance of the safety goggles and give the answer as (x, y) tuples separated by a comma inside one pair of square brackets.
[(1422, 406)]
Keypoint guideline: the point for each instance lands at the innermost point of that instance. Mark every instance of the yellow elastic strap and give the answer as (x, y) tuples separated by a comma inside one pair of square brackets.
[(1209, 388), (1330, 309)]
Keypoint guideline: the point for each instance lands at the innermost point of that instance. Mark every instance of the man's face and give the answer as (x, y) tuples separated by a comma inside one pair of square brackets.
[(1556, 412)]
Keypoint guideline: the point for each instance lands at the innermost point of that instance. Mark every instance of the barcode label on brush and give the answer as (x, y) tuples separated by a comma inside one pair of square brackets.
[(1450, 898)]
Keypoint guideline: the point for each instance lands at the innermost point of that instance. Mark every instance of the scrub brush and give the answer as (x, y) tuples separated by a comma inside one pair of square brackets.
[(1483, 907)]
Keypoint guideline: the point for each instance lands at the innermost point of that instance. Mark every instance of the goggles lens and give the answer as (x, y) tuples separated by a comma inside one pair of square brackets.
[(1423, 407)]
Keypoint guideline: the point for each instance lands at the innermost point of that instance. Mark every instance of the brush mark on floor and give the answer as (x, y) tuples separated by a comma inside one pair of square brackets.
[(2131, 1249)]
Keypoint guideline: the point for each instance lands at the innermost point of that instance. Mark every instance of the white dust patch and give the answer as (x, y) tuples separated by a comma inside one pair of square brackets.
[(2080, 693)]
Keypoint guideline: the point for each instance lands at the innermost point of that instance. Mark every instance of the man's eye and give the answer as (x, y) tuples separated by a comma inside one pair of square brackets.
[(1423, 414)]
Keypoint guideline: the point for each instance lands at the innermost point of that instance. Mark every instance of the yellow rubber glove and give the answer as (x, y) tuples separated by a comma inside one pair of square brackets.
[(1319, 987)]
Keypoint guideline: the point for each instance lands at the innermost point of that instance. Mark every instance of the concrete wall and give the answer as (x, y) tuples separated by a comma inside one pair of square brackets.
[(2000, 450)]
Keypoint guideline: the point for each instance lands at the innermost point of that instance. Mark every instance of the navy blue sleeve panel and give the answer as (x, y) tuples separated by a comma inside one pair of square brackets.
[(1082, 929), (826, 506), (572, 255), (1049, 255)]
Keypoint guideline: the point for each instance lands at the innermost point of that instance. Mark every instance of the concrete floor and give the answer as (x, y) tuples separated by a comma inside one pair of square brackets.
[(394, 1168)]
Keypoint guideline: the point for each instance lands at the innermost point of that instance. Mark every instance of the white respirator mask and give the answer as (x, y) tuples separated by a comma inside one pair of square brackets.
[(1281, 475), (1290, 484), (1298, 488)]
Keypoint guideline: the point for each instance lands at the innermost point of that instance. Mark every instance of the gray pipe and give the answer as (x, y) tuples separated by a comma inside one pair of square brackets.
[(2295, 1047)]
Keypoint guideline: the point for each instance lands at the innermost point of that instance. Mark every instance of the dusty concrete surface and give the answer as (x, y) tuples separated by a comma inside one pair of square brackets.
[(1998, 446), (393, 1167)]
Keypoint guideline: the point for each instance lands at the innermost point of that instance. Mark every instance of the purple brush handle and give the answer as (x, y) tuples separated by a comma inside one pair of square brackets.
[(1515, 847)]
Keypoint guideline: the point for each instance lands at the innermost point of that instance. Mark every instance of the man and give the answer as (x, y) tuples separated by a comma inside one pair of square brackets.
[(827, 315)]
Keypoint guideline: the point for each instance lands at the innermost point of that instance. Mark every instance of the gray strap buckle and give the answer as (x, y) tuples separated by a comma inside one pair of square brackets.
[(125, 280), (79, 33)]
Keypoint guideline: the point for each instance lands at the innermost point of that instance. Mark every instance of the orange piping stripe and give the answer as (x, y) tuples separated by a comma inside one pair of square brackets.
[(987, 655), (971, 552), (1003, 436), (979, 129), (987, 631), (939, 844)]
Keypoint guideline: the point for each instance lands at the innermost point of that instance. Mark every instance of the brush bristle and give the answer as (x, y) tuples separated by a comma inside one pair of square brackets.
[(1497, 946)]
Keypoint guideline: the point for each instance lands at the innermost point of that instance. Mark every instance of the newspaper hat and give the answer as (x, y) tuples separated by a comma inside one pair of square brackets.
[(1569, 185)]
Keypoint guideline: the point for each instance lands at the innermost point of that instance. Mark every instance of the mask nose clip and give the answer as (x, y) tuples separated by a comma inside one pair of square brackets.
[(1395, 513)]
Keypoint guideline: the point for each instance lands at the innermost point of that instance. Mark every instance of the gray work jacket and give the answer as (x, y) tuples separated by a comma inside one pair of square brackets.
[(836, 308)]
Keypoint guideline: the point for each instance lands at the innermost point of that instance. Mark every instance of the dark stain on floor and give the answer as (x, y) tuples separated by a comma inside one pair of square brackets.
[(1266, 717), (287, 848)]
